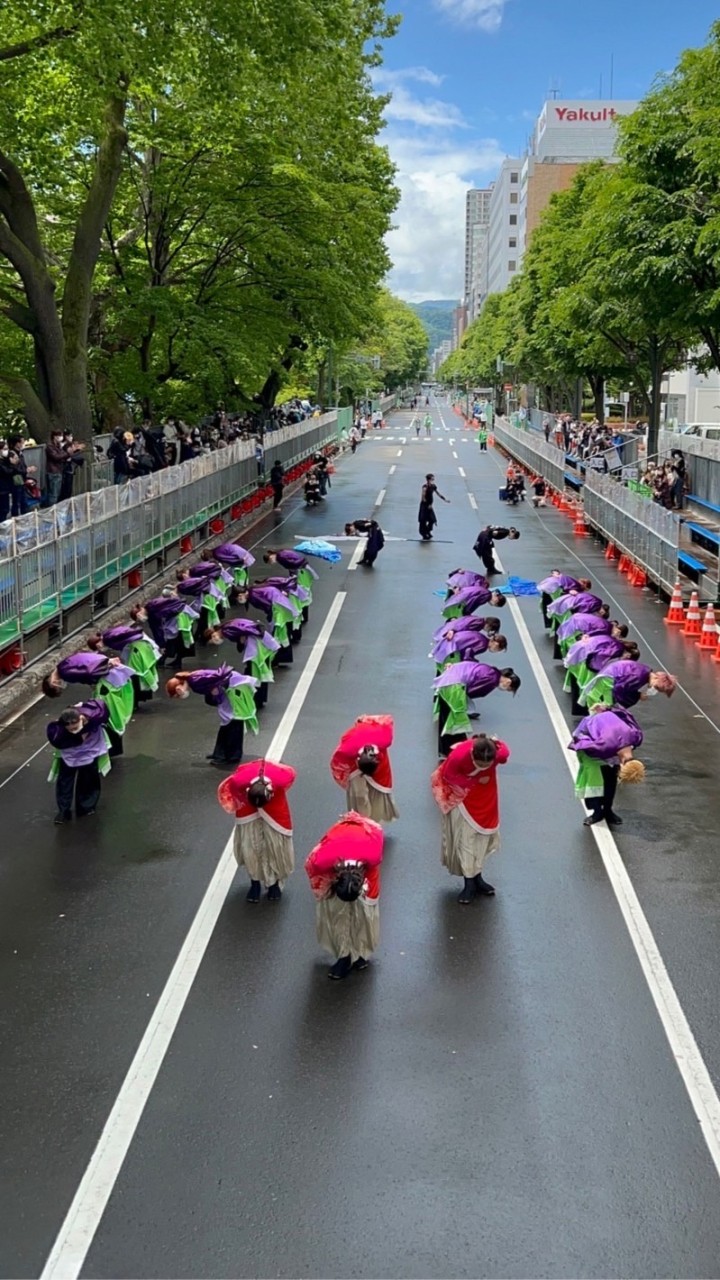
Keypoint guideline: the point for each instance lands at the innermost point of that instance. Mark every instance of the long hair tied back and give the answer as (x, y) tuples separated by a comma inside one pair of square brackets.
[(260, 792), (348, 883)]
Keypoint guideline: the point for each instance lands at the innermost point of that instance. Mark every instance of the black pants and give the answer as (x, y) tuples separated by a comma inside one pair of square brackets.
[(296, 632), (576, 709), (116, 742), (604, 804), (83, 781), (446, 740), (261, 694), (228, 747), (488, 559), (545, 600), (277, 495), (283, 657), (483, 446), (139, 694)]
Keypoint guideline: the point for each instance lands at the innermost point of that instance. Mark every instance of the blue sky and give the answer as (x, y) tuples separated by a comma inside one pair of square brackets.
[(468, 79)]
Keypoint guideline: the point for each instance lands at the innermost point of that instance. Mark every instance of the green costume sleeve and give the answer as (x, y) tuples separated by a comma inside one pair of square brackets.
[(242, 703), (599, 692), (589, 780), (261, 665), (210, 605), (141, 657), (455, 698), (119, 702)]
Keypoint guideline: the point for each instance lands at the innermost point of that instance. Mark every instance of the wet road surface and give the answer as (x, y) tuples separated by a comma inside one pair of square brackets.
[(496, 1095)]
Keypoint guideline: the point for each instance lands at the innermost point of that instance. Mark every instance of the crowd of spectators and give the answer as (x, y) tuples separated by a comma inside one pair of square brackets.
[(584, 440), (132, 452), (668, 481)]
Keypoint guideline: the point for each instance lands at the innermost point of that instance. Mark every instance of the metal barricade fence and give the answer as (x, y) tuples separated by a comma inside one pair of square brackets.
[(53, 558), (543, 458), (636, 525)]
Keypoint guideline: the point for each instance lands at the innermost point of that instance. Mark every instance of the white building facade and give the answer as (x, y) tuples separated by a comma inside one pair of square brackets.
[(477, 214), (501, 248)]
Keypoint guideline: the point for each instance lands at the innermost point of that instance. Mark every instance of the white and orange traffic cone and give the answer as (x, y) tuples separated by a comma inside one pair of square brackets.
[(676, 613), (709, 634), (693, 623)]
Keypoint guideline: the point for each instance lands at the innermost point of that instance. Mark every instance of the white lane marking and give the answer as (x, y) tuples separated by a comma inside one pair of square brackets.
[(357, 553), (393, 469), (399, 453), (380, 498), (451, 441), (403, 440), (454, 454), (461, 470), (90, 1201), (473, 503), (683, 1045), (25, 763)]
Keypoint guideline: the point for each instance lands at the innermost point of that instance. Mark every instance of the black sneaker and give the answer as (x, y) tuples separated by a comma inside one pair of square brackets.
[(253, 893), (274, 893), (483, 887), (613, 819), (62, 816), (341, 968), (361, 963), (469, 892)]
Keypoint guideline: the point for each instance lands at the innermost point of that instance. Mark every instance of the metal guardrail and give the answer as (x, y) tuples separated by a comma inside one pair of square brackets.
[(53, 559), (637, 525), (543, 458)]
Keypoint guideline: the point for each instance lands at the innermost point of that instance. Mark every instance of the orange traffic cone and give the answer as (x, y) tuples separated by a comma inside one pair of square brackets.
[(693, 625), (709, 634), (638, 577), (624, 563), (676, 613), (611, 551), (579, 527)]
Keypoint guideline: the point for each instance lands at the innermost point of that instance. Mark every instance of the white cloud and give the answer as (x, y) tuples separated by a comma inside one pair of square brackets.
[(427, 245), (385, 78), (428, 112), (487, 15)]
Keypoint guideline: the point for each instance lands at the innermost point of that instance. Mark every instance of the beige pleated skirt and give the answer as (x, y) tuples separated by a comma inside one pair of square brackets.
[(348, 928), (369, 802), (463, 850), (267, 854)]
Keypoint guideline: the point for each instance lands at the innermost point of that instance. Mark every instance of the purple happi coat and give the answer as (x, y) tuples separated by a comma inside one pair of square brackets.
[(478, 678), (595, 652), (584, 624), (557, 582), (602, 735), (466, 578), (629, 679), (77, 749), (233, 554)]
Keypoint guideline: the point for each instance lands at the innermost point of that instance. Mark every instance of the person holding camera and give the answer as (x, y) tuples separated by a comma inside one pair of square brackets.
[(344, 874)]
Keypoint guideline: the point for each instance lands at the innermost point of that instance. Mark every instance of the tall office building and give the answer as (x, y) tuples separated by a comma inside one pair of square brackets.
[(500, 257), (566, 135), (477, 213)]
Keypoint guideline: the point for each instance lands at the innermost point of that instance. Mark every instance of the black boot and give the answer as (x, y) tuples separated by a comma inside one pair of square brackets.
[(469, 892), (483, 887), (274, 893), (361, 963), (253, 893), (341, 968), (62, 815)]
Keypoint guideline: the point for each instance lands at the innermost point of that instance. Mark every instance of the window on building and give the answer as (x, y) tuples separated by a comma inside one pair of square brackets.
[(512, 265), (513, 197), (513, 177), (512, 242), (513, 219)]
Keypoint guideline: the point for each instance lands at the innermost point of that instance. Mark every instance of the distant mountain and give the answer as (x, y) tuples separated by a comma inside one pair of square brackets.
[(437, 317)]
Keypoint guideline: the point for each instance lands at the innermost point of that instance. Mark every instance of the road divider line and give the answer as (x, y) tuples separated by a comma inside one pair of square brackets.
[(356, 555), (399, 453), (392, 470), (380, 498), (83, 1218), (683, 1045), (454, 454), (473, 503), (461, 470)]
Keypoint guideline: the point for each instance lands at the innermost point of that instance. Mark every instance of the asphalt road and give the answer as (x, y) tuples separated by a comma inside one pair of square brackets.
[(496, 1095)]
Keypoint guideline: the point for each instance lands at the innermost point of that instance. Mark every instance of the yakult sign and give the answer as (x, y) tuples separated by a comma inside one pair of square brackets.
[(579, 130)]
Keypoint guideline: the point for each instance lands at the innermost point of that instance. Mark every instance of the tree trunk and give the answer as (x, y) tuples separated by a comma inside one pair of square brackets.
[(266, 397), (657, 361), (597, 386)]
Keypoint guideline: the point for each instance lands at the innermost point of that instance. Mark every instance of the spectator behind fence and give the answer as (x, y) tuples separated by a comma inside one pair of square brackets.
[(56, 455), (119, 453), (73, 462)]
